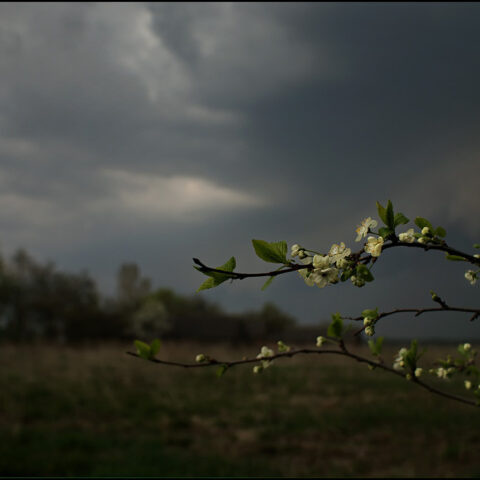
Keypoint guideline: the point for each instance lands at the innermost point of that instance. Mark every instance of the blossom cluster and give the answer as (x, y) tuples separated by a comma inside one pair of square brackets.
[(264, 354), (326, 268)]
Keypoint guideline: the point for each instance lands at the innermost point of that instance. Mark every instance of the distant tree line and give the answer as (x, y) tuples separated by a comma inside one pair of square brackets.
[(39, 302)]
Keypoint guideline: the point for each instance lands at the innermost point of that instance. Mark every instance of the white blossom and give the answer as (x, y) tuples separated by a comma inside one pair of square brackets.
[(265, 352), (408, 236), (471, 276), (364, 228), (467, 347), (321, 261), (468, 384), (358, 282), (307, 276), (295, 250), (323, 277), (399, 362), (418, 371), (338, 252), (342, 263), (374, 246), (442, 373)]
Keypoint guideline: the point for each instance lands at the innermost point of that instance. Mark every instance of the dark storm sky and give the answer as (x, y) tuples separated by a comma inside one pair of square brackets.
[(158, 132)]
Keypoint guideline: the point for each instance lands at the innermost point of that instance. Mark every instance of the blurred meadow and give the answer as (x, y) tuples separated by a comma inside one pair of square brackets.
[(95, 411)]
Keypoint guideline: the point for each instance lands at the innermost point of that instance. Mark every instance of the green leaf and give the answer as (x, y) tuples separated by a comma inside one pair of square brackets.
[(143, 349), (423, 222), (154, 347), (400, 219), (376, 346), (216, 278), (411, 355), (346, 274), (273, 252), (385, 232), (440, 232), (454, 258), (476, 245), (373, 314), (267, 283), (364, 273), (221, 370), (382, 213), (335, 328), (390, 217)]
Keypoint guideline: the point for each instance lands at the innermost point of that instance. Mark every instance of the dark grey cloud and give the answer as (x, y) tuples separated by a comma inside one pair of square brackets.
[(158, 132)]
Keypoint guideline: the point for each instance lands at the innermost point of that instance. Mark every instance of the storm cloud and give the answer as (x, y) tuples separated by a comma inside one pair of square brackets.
[(159, 132)]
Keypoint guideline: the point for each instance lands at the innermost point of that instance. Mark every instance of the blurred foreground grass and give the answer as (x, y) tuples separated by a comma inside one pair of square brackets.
[(98, 412)]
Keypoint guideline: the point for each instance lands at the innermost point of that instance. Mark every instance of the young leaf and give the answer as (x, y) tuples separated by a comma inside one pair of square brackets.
[(382, 213), (400, 219), (154, 347), (364, 273), (273, 252), (376, 346), (454, 258), (423, 222), (335, 328), (143, 349), (346, 274), (221, 370), (385, 232), (390, 216), (216, 278), (267, 283), (373, 314), (440, 232), (411, 355), (476, 245)]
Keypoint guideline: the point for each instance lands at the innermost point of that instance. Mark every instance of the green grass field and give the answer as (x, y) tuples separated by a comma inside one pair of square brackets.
[(98, 412)]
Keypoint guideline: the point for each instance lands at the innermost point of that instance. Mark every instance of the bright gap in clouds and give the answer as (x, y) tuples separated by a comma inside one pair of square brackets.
[(180, 198)]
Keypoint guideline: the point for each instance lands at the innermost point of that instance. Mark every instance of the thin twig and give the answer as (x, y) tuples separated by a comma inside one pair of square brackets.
[(306, 351), (418, 312)]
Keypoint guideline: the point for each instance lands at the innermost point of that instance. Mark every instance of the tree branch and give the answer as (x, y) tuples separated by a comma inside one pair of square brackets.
[(356, 256), (308, 351)]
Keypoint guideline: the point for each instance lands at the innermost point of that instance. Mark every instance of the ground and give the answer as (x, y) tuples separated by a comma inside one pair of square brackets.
[(95, 411)]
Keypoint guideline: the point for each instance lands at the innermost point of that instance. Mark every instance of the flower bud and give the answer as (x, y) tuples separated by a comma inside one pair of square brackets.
[(418, 371), (467, 347), (257, 369), (370, 331), (295, 249), (425, 231), (468, 384), (200, 358), (320, 341)]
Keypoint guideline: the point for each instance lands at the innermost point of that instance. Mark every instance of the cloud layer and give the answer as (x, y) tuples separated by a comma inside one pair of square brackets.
[(158, 132)]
